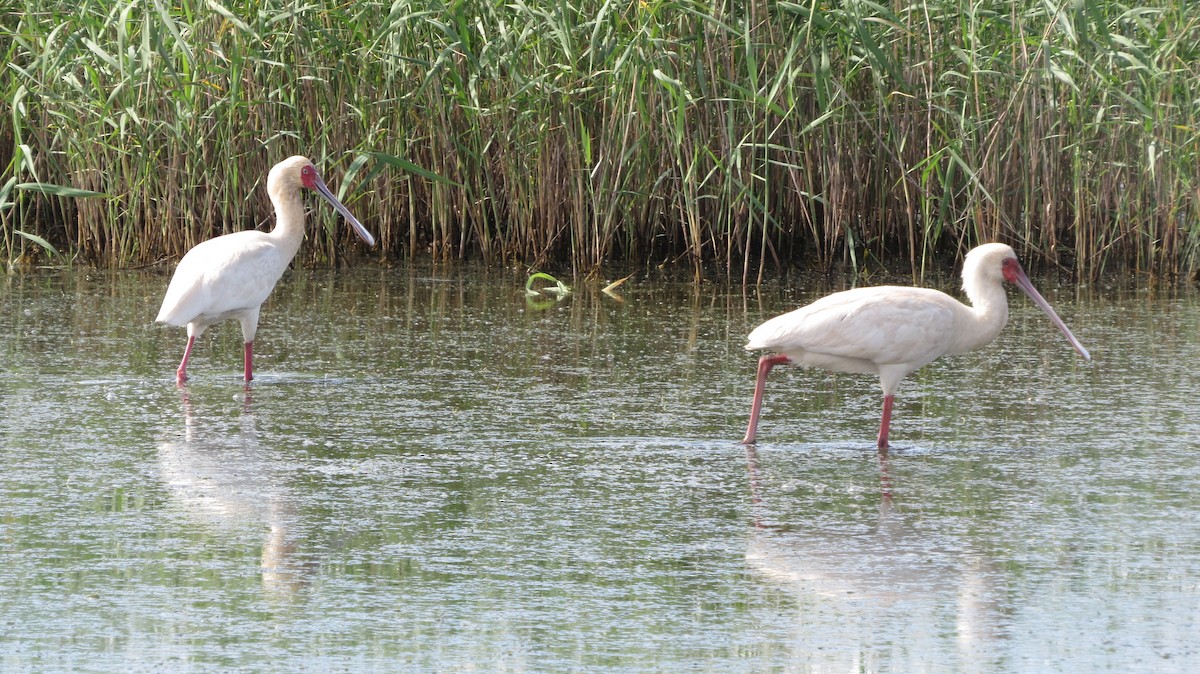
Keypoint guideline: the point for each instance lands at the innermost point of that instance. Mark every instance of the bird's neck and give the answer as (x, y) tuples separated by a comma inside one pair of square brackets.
[(289, 218), (989, 313)]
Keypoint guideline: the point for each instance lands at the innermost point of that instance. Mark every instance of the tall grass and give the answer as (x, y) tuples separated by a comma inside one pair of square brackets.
[(732, 137)]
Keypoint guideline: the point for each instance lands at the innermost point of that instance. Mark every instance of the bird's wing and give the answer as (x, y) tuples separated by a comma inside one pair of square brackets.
[(228, 273), (887, 324)]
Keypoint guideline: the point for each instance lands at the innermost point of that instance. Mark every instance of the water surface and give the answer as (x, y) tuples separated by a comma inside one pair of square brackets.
[(432, 473)]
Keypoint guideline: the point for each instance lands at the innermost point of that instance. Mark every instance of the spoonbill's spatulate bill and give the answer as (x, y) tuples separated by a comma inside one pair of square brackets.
[(232, 275), (892, 331)]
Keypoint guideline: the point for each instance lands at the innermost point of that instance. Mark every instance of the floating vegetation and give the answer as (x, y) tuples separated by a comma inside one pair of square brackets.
[(611, 289), (553, 287), (543, 291)]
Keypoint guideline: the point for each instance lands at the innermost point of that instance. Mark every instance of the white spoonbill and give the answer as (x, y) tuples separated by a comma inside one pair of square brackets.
[(232, 275), (892, 331)]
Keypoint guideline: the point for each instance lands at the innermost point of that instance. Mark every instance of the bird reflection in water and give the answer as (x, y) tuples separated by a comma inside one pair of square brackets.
[(866, 583), (227, 483)]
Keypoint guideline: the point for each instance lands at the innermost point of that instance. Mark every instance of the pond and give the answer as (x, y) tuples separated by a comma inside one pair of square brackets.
[(433, 473)]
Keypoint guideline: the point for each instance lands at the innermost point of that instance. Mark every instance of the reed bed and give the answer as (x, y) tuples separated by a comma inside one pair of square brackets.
[(729, 137)]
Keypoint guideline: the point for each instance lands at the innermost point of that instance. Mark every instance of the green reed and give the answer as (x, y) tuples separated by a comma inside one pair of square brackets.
[(731, 137)]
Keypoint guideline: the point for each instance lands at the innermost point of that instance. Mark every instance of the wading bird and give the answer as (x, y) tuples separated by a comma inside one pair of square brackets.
[(232, 275), (892, 331)]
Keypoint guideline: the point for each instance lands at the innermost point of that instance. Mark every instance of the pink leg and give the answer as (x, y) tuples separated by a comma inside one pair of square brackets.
[(764, 367), (249, 361), (181, 373), (886, 424)]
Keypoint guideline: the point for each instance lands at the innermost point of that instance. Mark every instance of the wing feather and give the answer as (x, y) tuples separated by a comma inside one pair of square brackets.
[(229, 273), (884, 324)]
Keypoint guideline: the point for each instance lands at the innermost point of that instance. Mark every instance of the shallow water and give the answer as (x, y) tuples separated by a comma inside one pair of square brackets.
[(432, 473)]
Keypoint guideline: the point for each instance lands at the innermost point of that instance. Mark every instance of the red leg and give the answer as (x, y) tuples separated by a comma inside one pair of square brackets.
[(181, 373), (764, 367), (249, 361), (886, 424)]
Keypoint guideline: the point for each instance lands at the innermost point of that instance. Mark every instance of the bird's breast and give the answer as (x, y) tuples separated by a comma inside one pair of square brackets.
[(222, 276)]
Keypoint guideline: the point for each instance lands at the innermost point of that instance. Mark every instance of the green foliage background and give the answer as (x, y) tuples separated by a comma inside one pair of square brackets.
[(729, 136)]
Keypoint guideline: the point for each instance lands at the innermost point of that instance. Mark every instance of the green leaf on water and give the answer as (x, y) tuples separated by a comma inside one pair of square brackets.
[(559, 289)]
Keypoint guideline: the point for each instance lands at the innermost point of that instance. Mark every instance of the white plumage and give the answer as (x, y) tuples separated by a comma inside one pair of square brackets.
[(232, 275), (892, 331)]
